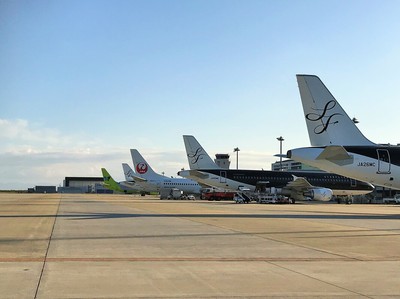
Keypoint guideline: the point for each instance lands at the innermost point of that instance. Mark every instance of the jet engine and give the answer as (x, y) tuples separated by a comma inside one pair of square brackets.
[(320, 194)]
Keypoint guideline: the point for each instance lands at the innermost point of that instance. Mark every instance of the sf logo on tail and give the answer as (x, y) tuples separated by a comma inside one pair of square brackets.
[(323, 117), (196, 156)]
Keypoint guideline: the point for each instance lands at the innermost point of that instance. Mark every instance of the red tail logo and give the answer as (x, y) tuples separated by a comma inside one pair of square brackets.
[(141, 168)]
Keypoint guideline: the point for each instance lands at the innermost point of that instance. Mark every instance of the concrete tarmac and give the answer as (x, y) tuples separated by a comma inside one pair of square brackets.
[(123, 246)]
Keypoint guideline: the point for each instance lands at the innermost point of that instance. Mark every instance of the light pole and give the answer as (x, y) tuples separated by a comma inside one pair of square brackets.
[(280, 139), (236, 149)]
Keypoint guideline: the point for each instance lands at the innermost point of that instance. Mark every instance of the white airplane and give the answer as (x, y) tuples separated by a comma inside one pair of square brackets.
[(133, 179), (149, 179), (338, 146), (316, 185)]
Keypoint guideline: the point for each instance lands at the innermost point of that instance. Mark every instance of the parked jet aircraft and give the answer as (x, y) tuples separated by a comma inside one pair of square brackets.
[(125, 186), (337, 144), (131, 177), (296, 184), (148, 178)]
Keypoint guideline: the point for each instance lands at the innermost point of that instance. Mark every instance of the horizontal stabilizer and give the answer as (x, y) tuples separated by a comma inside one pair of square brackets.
[(137, 178), (128, 184), (198, 174), (281, 155), (336, 154)]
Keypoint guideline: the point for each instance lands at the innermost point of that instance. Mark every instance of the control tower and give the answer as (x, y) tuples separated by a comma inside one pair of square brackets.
[(222, 160)]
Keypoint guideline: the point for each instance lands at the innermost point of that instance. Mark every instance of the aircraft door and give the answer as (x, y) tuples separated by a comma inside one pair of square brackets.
[(222, 177), (353, 183), (383, 161)]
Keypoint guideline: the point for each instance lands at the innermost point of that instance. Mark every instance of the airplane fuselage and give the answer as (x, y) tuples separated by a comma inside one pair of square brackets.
[(130, 186), (157, 184), (379, 165), (235, 179)]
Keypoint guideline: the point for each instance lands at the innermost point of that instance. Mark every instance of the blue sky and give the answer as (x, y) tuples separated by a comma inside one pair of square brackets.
[(82, 82)]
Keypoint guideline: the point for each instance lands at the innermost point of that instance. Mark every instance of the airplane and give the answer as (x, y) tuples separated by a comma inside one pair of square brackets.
[(298, 185), (124, 187), (131, 176), (148, 178), (337, 145)]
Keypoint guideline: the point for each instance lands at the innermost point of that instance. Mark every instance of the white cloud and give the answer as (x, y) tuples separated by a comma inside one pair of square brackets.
[(22, 132), (32, 155)]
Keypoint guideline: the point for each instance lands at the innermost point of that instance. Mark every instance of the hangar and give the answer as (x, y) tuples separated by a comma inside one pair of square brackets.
[(83, 185)]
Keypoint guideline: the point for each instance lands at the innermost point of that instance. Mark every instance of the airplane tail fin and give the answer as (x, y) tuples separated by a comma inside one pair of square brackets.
[(327, 122), (197, 156), (128, 172), (107, 179), (142, 168)]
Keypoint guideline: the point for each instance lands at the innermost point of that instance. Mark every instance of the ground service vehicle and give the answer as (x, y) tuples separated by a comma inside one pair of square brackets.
[(395, 199), (217, 195)]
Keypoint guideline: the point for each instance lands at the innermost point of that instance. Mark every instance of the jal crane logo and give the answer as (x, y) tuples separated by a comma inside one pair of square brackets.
[(141, 168)]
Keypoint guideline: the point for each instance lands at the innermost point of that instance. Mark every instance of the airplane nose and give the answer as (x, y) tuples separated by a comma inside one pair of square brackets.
[(289, 154)]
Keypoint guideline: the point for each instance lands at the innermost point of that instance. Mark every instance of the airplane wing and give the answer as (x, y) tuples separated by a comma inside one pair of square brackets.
[(336, 154), (300, 187), (298, 184)]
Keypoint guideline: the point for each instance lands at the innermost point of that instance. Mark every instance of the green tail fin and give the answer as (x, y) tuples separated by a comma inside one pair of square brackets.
[(109, 181)]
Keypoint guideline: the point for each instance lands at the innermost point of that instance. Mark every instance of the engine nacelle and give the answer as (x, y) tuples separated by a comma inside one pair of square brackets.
[(320, 194)]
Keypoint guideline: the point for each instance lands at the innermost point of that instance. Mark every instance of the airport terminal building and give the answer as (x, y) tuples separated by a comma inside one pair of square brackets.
[(291, 165)]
